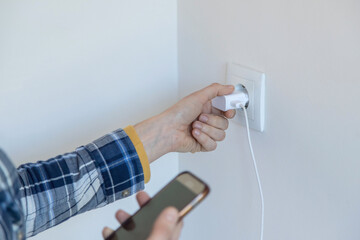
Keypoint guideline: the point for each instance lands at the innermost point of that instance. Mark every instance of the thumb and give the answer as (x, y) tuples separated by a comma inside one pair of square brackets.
[(165, 225), (217, 89)]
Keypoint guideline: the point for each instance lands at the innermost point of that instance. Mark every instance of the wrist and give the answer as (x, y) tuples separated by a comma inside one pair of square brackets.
[(155, 136)]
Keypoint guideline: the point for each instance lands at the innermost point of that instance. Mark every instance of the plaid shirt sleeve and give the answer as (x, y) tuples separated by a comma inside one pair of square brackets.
[(90, 177)]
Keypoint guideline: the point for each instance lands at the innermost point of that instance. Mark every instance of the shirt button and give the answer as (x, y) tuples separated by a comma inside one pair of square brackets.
[(125, 193)]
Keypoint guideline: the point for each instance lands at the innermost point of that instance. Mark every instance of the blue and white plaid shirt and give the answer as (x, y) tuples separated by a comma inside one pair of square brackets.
[(40, 195)]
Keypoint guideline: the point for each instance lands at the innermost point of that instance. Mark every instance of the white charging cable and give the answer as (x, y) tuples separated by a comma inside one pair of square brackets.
[(238, 104), (238, 100)]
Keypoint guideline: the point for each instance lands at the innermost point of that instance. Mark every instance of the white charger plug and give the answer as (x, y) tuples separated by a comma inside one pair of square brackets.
[(238, 98)]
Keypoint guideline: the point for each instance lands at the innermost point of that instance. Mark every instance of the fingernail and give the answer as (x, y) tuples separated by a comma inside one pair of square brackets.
[(198, 125), (229, 86), (197, 132), (204, 118), (171, 215)]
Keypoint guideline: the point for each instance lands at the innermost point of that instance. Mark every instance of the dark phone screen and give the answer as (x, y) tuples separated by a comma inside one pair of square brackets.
[(140, 225)]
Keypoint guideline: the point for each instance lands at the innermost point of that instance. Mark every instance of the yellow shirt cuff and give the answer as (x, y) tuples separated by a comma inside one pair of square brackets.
[(130, 131)]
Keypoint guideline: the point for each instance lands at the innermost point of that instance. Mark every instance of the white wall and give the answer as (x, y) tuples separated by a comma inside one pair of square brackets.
[(71, 71), (308, 156)]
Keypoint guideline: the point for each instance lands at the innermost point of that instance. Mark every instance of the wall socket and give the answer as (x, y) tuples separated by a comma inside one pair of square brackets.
[(254, 82)]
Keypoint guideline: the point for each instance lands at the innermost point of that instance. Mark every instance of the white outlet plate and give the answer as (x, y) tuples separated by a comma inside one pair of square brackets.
[(254, 82)]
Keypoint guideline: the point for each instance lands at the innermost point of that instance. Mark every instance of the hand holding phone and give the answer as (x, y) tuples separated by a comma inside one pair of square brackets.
[(166, 226), (183, 193)]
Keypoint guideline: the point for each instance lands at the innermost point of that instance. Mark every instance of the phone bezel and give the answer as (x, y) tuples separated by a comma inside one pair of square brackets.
[(200, 196)]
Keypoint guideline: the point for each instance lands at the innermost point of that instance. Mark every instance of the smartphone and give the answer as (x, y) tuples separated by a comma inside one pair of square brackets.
[(184, 192)]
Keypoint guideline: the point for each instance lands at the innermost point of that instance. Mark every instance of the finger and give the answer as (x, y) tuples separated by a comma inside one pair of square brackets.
[(121, 216), (215, 121), (142, 198), (230, 113), (215, 133), (165, 225), (216, 111), (215, 90), (177, 231), (207, 143), (106, 232)]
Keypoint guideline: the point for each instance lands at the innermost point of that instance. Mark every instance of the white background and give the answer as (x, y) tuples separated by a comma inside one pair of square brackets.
[(71, 71)]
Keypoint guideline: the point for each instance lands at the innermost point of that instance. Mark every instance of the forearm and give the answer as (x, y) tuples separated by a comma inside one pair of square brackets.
[(92, 176)]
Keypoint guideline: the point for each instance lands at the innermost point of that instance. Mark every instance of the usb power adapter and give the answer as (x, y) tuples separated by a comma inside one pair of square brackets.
[(238, 98)]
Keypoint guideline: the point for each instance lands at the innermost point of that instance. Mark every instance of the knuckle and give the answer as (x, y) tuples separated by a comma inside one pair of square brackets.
[(220, 122), (212, 146), (204, 128), (198, 148), (222, 136), (226, 124), (194, 147)]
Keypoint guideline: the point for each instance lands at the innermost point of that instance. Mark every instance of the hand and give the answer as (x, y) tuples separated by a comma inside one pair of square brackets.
[(166, 226), (191, 125)]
